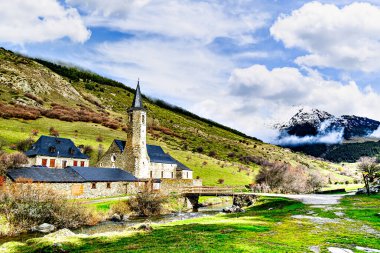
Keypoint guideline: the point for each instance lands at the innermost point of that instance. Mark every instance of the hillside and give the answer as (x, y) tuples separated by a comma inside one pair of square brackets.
[(90, 109)]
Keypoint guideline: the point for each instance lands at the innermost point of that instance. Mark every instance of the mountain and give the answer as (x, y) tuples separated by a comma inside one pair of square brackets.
[(37, 96), (338, 139), (316, 122)]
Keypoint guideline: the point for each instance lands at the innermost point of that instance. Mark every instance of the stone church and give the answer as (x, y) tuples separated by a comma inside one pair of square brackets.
[(136, 156)]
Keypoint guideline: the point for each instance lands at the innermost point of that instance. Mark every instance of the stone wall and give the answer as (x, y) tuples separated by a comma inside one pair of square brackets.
[(162, 170), (85, 190)]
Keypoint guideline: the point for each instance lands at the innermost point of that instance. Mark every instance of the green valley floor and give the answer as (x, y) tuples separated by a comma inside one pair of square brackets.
[(274, 224)]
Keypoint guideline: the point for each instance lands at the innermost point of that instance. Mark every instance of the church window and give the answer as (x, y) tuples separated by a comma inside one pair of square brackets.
[(151, 174), (93, 186), (108, 185), (143, 119), (130, 118), (172, 174), (113, 158), (162, 174)]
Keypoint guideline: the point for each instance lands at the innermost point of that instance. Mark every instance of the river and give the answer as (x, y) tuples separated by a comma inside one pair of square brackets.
[(110, 226)]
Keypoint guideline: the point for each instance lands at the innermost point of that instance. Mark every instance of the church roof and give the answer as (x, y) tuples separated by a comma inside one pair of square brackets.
[(55, 147), (156, 154), (71, 175), (137, 100)]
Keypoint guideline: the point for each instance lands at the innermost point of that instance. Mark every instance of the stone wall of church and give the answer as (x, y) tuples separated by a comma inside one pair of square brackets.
[(162, 170), (107, 160)]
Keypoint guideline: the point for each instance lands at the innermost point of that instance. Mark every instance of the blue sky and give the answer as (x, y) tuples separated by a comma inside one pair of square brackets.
[(244, 63)]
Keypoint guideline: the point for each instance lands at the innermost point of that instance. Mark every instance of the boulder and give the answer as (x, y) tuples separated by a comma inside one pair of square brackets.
[(233, 209), (44, 228), (145, 227), (116, 218), (60, 233), (244, 200)]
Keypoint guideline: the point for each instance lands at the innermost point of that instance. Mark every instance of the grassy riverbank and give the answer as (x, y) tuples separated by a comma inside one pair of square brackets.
[(269, 226)]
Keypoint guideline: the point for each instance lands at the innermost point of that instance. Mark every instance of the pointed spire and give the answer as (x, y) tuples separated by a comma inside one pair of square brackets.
[(137, 100)]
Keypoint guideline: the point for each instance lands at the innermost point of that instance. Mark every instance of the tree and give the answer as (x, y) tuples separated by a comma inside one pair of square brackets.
[(9, 161), (370, 170)]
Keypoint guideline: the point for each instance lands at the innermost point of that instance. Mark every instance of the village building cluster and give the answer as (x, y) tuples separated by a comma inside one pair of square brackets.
[(126, 165)]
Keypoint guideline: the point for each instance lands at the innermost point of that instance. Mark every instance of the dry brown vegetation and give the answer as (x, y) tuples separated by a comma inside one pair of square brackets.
[(284, 178), (28, 204), (57, 111)]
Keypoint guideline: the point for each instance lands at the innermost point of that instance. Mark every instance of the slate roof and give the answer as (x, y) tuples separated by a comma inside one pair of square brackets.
[(137, 100), (55, 147), (92, 174), (72, 175), (156, 155)]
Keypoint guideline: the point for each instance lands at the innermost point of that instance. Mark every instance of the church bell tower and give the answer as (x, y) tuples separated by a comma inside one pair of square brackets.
[(135, 149)]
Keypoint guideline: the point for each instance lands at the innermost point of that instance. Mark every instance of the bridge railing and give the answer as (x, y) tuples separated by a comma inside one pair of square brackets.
[(211, 190)]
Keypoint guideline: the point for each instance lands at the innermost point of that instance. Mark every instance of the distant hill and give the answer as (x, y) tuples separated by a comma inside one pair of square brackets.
[(339, 139), (37, 95)]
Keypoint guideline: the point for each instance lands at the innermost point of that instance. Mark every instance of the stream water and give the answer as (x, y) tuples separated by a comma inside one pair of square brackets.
[(110, 226)]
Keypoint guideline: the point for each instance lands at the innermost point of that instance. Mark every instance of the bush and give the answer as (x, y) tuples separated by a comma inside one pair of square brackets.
[(24, 145), (146, 203), (87, 150), (8, 161), (99, 138), (283, 178), (121, 208), (212, 154), (35, 98), (27, 205), (220, 181), (53, 132), (35, 132)]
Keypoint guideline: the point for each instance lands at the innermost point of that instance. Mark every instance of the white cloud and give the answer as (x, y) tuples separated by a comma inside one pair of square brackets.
[(39, 21), (200, 20), (275, 95), (345, 38)]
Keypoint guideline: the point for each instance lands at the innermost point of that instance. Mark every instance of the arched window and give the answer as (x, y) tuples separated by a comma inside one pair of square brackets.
[(113, 158), (143, 119)]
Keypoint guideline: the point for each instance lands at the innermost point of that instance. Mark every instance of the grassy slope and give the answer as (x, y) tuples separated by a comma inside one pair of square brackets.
[(190, 133), (257, 230)]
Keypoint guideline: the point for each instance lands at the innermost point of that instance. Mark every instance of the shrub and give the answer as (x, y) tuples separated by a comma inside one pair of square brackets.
[(8, 161), (212, 154), (35, 98), (121, 208), (99, 138), (27, 205), (220, 181), (24, 145), (87, 150), (35, 132), (53, 132), (146, 203), (199, 149)]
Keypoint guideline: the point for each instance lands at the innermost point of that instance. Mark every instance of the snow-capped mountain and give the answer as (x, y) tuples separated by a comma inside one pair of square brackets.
[(315, 122)]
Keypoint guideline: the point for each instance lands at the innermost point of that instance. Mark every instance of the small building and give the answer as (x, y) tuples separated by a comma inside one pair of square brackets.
[(78, 182), (54, 152)]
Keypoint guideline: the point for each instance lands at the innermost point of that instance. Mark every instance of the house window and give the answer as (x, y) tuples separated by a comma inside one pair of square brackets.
[(52, 163), (44, 162), (82, 163), (162, 174), (52, 149), (108, 185), (75, 163), (151, 174), (71, 151), (172, 174), (64, 164), (93, 186), (143, 119)]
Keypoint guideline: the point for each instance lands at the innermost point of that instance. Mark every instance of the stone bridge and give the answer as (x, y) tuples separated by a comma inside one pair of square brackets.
[(191, 194)]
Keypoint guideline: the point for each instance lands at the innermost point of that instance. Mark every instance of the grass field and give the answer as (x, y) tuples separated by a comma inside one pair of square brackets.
[(266, 227)]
